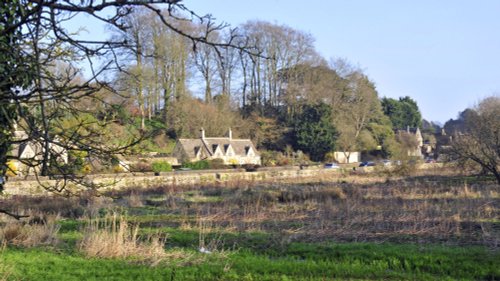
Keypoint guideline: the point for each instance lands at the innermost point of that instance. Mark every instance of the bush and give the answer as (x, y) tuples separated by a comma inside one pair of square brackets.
[(86, 169), (161, 166), (11, 169), (269, 158), (205, 164), (118, 169), (198, 165)]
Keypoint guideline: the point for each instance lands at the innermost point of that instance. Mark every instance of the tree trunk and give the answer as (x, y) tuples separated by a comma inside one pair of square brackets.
[(6, 120), (497, 176)]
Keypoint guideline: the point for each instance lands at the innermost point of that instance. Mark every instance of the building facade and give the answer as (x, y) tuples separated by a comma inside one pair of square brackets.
[(231, 151)]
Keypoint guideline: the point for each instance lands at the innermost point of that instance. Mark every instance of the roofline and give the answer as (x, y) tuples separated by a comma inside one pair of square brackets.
[(233, 139)]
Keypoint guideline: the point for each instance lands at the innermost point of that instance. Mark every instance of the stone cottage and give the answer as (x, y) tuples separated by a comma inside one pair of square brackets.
[(25, 150), (231, 151), (411, 137)]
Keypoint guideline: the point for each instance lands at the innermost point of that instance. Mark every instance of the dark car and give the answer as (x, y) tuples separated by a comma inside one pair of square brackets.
[(367, 164)]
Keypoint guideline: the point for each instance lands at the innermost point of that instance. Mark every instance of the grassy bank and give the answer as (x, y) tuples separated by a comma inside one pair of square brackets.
[(363, 261)]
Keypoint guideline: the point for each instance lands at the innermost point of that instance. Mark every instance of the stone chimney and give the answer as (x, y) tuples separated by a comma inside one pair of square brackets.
[(230, 134), (202, 133)]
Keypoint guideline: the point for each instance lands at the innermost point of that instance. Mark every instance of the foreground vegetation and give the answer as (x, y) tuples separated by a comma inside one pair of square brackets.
[(298, 262), (350, 228)]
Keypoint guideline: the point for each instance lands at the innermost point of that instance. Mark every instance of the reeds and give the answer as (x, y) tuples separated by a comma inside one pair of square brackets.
[(115, 237)]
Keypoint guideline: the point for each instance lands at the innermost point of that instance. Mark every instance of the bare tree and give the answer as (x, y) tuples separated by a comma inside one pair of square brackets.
[(479, 141), (282, 48), (205, 63), (226, 67)]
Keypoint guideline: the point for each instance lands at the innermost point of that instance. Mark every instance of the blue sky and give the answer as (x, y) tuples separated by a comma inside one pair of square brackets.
[(445, 54)]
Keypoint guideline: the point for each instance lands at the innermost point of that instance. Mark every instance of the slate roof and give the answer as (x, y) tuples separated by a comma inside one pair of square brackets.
[(209, 145)]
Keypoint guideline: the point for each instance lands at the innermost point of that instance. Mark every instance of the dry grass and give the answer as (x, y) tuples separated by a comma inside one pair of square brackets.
[(209, 238), (114, 237), (135, 200), (36, 232), (423, 209)]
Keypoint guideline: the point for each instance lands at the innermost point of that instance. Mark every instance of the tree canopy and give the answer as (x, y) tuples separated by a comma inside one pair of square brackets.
[(402, 112)]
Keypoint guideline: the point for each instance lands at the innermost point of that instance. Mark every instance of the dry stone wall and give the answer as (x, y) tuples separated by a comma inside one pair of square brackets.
[(146, 180)]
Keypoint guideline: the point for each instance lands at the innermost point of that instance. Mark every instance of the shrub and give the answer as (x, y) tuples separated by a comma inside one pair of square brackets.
[(118, 169), (11, 169), (269, 158), (161, 166), (198, 165), (86, 169)]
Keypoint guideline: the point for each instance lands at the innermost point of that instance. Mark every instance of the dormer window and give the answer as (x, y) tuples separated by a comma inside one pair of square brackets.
[(249, 151), (228, 150), (197, 150)]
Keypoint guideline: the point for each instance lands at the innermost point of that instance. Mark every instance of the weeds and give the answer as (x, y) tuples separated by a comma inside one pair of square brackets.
[(114, 237)]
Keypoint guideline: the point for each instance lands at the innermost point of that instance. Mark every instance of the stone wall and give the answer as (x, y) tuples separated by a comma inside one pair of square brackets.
[(146, 180)]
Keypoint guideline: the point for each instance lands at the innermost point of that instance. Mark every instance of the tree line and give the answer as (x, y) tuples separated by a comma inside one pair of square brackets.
[(265, 90)]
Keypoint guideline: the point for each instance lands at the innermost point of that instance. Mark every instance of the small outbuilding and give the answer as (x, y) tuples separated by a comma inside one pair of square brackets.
[(346, 157)]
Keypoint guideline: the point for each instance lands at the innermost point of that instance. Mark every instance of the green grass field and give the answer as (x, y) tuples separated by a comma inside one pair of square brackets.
[(352, 261)]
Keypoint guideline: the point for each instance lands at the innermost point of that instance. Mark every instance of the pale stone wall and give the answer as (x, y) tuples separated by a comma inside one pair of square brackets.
[(146, 180)]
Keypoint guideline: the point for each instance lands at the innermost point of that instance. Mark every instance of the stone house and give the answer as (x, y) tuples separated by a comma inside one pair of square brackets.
[(231, 151), (412, 137), (25, 150)]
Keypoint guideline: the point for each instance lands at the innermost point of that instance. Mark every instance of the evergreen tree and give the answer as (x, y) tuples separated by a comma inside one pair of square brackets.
[(403, 112), (314, 131)]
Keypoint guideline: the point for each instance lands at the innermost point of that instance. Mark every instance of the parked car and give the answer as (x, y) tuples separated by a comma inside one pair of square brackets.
[(386, 162), (332, 166), (367, 164)]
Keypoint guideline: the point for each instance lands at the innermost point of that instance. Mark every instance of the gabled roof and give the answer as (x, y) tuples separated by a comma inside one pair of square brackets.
[(210, 145), (242, 146), (192, 146)]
